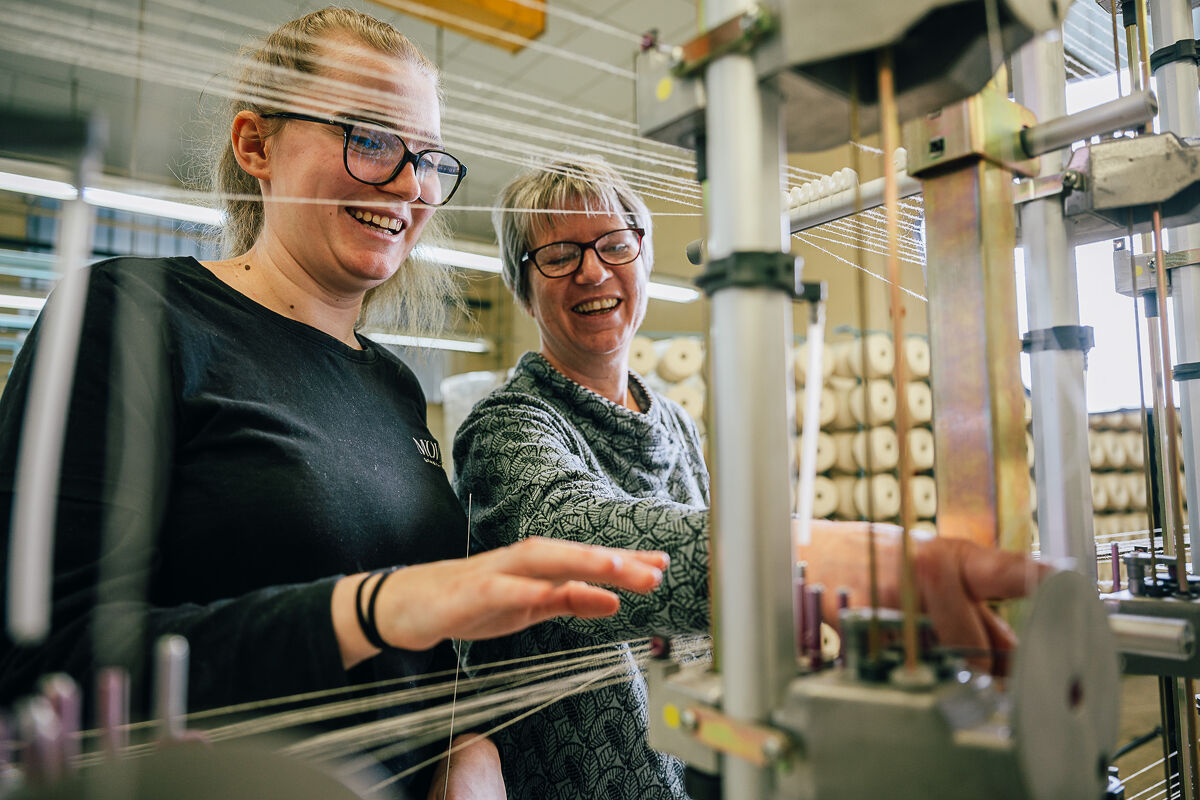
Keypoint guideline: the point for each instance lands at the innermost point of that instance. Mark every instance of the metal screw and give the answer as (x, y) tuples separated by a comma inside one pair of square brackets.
[(1071, 179), (688, 721)]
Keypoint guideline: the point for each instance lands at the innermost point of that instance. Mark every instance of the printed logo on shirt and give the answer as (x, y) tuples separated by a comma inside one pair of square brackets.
[(429, 451)]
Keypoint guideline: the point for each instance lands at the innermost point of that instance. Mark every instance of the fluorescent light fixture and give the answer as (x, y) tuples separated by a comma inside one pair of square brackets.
[(109, 198), (460, 258), (671, 292), (459, 345), (58, 190), (140, 204), (22, 301)]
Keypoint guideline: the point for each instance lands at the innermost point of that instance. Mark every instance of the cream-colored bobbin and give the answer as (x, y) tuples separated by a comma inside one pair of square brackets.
[(881, 357), (884, 498), (923, 496), (845, 492), (825, 497), (1097, 452), (920, 449), (920, 403), (642, 358), (682, 359), (1032, 496), (916, 357), (1135, 484), (880, 406), (1135, 456), (800, 363), (828, 410), (1115, 454), (925, 526), (876, 450), (843, 448), (826, 451), (690, 395), (1118, 492), (1029, 453), (1099, 494)]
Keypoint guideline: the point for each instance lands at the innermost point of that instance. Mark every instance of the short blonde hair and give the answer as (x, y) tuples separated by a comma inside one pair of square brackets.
[(415, 297), (587, 183)]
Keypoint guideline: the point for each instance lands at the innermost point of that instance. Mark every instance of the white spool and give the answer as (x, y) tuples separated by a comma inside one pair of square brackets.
[(1028, 410), (876, 450), (690, 395), (884, 498), (841, 388), (800, 363), (828, 412), (1118, 492), (881, 357), (683, 359), (642, 358), (924, 525), (920, 403), (1135, 485), (1099, 494), (916, 357), (923, 496), (825, 497), (1135, 456), (1033, 495), (920, 449), (843, 447), (1115, 456), (880, 406), (1096, 450), (826, 452), (1029, 452), (845, 493)]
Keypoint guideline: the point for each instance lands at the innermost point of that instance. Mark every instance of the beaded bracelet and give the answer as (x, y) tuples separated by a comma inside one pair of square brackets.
[(366, 622)]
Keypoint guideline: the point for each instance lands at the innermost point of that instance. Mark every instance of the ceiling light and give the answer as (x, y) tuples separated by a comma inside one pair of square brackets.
[(22, 301), (140, 204), (671, 292), (459, 345), (41, 187)]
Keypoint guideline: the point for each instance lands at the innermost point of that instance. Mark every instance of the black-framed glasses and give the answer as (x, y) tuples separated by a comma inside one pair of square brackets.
[(560, 259), (375, 156)]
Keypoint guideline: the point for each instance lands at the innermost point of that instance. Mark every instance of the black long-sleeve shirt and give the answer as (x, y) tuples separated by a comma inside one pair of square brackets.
[(223, 465)]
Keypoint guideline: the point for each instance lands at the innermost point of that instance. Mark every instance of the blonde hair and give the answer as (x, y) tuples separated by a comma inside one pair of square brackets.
[(586, 183), (417, 296)]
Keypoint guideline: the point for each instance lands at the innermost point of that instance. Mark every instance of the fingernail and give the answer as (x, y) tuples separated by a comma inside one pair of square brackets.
[(666, 560), (658, 575), (618, 562)]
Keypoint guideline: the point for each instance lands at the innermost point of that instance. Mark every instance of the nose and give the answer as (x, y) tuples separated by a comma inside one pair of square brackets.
[(591, 269), (405, 185)]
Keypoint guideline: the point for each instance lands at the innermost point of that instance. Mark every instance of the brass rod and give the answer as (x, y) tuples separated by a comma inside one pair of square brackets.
[(1116, 48), (889, 123), (873, 638)]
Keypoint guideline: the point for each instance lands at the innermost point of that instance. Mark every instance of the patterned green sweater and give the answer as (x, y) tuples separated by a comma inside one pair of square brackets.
[(543, 456)]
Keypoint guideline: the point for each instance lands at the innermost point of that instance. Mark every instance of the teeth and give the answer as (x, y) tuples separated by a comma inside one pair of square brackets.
[(378, 220), (597, 305)]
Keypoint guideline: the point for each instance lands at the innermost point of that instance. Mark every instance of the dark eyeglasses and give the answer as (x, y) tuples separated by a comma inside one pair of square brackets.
[(560, 259), (375, 157)]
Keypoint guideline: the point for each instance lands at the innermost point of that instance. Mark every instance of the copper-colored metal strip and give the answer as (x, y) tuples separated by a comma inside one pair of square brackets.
[(889, 123)]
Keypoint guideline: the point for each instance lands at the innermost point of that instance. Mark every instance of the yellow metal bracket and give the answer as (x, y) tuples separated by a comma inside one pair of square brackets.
[(741, 34), (758, 744)]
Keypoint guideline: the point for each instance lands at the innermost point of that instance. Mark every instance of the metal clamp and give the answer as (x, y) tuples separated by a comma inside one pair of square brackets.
[(741, 34), (1183, 50), (752, 269), (1187, 371), (1060, 337)]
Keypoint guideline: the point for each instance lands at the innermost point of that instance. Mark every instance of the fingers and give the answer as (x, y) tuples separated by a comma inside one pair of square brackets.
[(991, 574), (954, 613), (558, 561)]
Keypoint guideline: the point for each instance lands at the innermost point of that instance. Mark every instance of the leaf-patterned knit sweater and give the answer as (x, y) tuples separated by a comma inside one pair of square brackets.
[(543, 456)]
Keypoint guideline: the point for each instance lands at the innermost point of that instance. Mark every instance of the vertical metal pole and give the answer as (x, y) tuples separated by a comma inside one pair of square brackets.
[(751, 331), (1177, 87), (1059, 399)]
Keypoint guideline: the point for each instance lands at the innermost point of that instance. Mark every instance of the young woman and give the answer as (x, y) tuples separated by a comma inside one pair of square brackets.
[(240, 462)]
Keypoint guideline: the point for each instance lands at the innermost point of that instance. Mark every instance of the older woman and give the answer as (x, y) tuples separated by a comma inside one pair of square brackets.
[(240, 457), (576, 446)]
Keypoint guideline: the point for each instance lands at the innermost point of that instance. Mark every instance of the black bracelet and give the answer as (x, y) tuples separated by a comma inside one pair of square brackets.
[(372, 629), (366, 621)]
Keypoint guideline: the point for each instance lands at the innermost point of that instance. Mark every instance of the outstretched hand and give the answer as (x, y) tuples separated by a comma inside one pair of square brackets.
[(955, 578), (503, 591)]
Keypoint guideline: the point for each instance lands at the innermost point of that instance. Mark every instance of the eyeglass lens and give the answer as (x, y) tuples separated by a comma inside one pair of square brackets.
[(614, 248), (372, 155)]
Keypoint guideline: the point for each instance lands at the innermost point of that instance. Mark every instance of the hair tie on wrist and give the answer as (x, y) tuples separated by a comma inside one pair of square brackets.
[(366, 622)]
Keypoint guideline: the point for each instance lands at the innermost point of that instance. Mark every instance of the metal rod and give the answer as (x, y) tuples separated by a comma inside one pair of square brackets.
[(1116, 48), (1124, 113), (170, 686), (1157, 637), (889, 122)]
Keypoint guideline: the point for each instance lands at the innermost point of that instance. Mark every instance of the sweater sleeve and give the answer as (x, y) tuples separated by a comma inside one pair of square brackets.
[(115, 479), (526, 472)]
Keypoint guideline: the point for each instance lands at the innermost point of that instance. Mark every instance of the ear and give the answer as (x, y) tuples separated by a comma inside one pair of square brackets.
[(249, 137)]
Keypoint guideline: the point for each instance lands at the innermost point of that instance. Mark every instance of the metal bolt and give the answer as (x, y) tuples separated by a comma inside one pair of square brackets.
[(1071, 179), (688, 721), (772, 749)]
